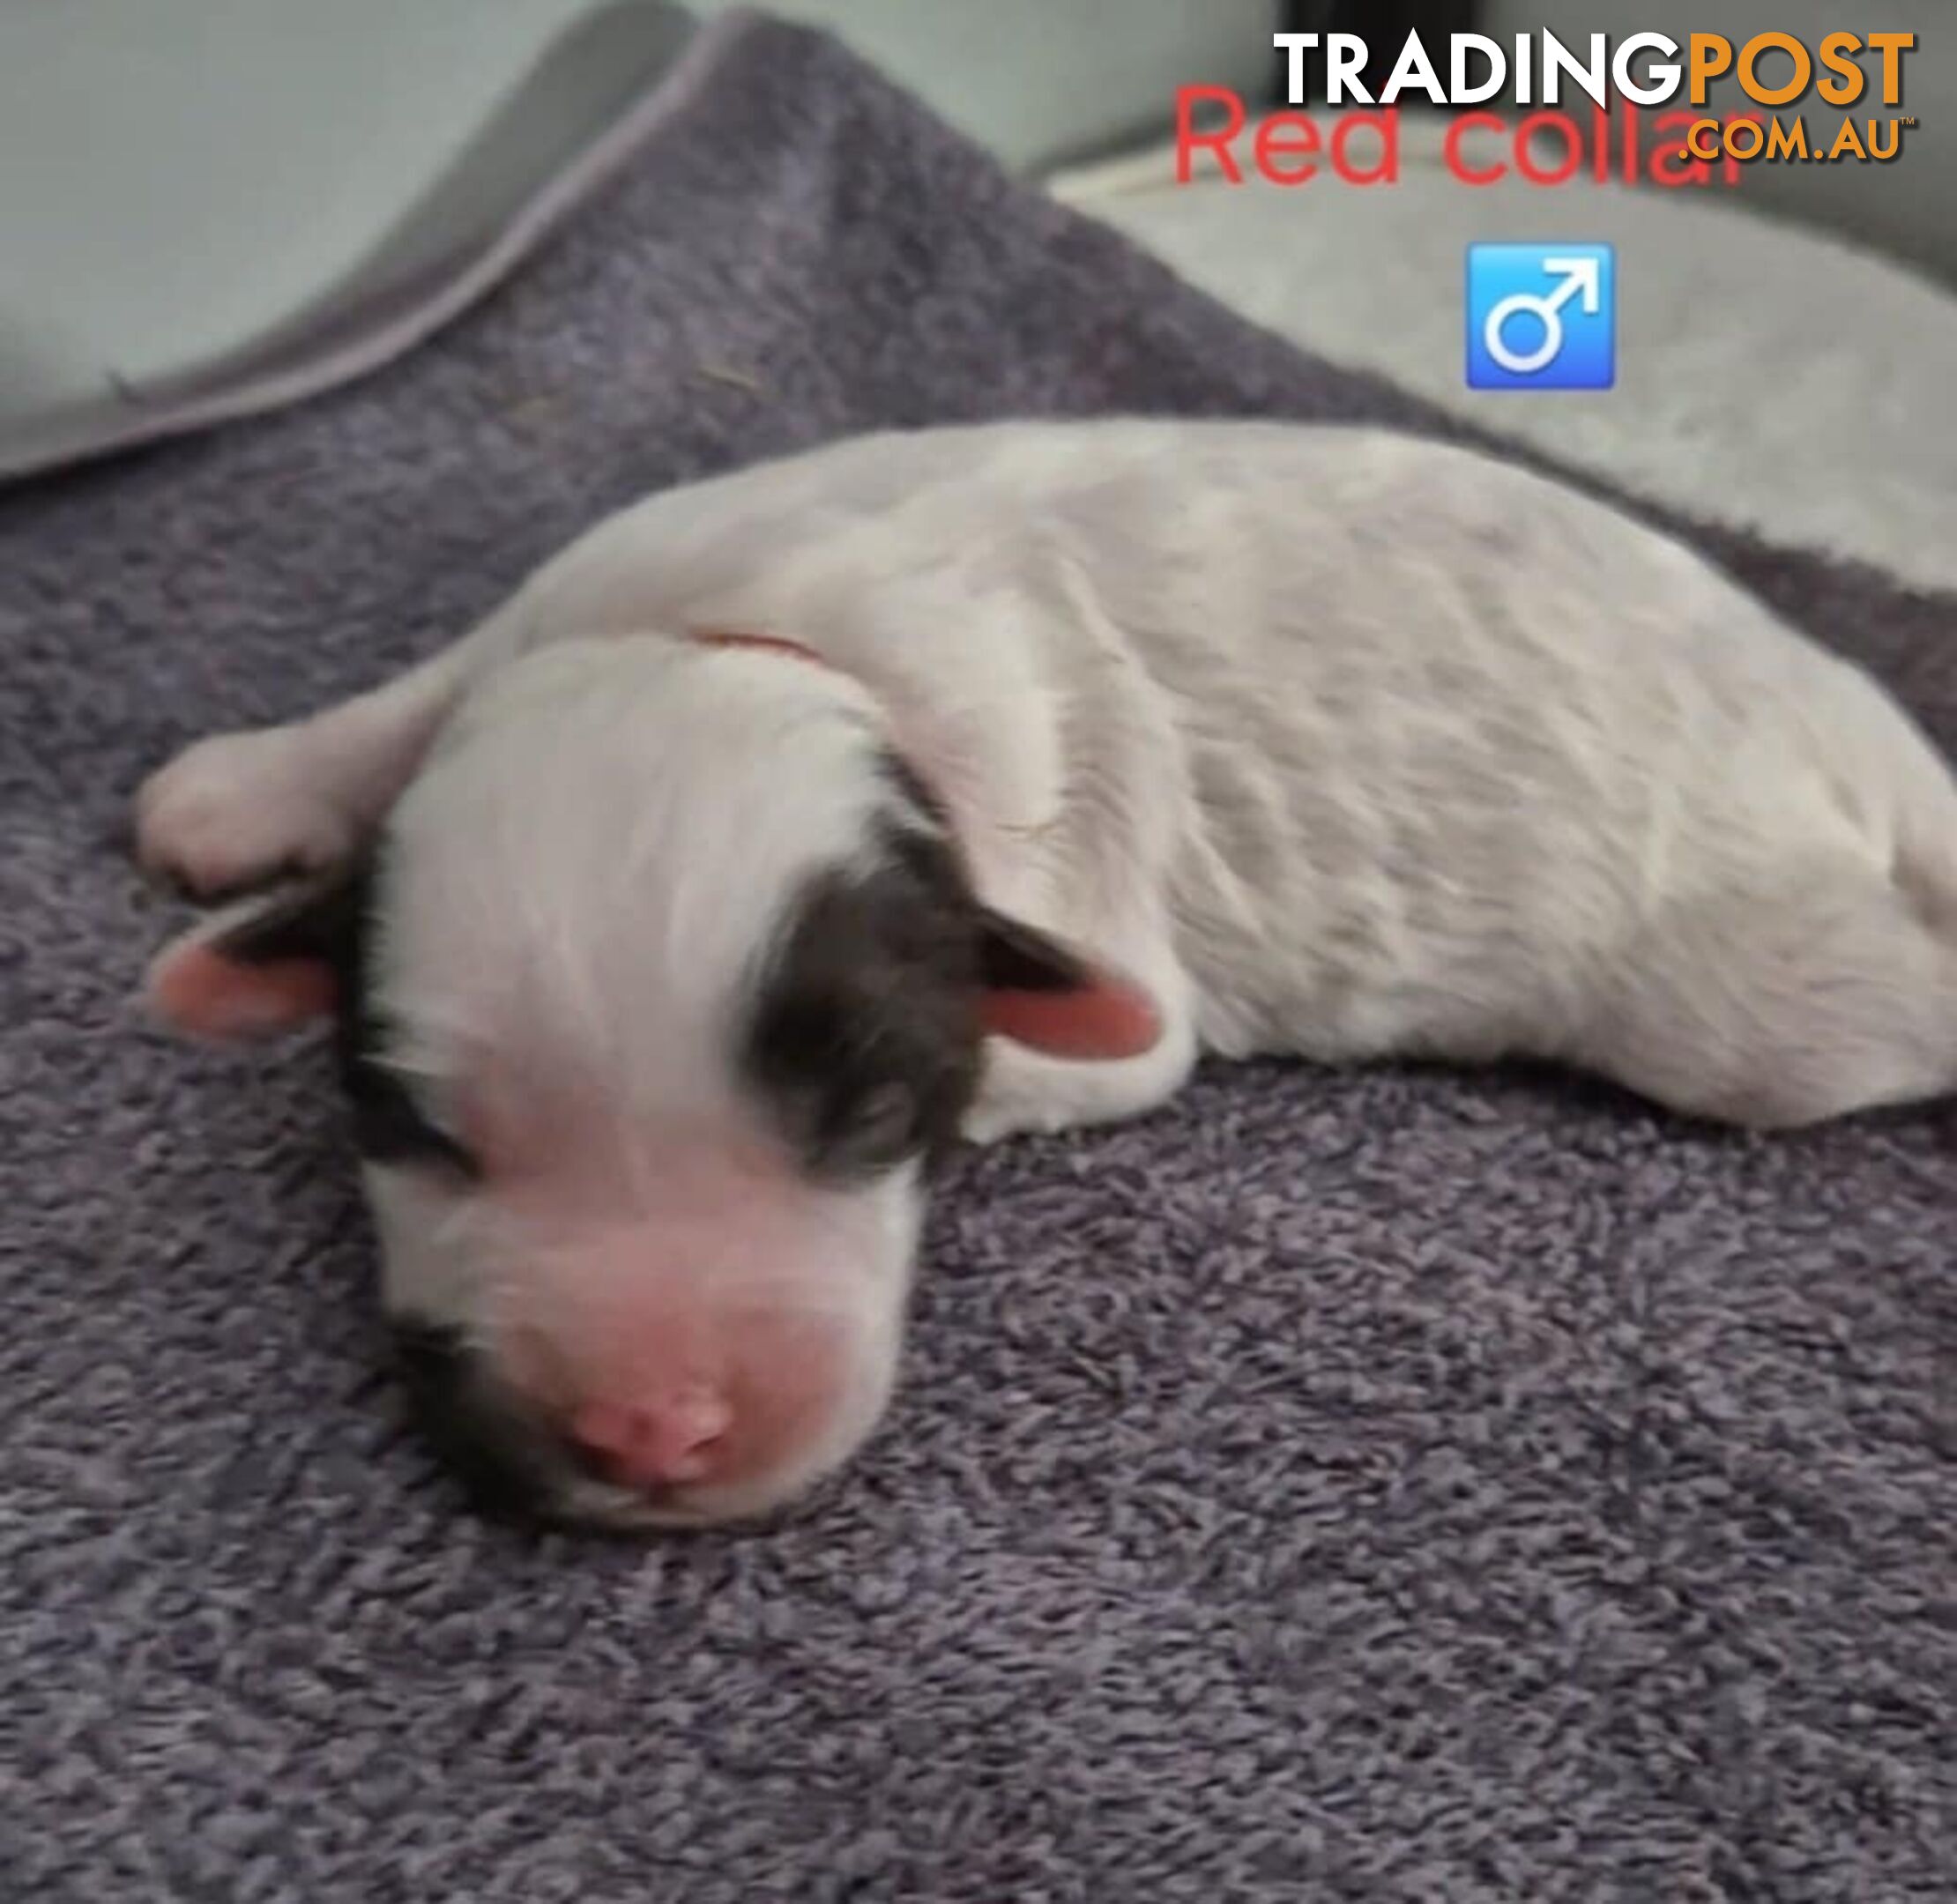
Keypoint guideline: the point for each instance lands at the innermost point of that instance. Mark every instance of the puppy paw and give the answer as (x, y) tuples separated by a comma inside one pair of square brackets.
[(237, 811)]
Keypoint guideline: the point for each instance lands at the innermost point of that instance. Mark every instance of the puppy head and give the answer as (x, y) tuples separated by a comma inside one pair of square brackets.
[(656, 996)]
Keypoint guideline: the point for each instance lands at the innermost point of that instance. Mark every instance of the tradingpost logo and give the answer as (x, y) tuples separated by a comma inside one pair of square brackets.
[(1787, 136), (1634, 108)]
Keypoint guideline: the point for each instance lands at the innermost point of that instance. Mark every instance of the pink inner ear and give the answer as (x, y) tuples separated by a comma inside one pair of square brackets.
[(194, 988), (1107, 1020)]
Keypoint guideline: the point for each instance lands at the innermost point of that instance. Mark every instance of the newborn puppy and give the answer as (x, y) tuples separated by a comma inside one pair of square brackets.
[(794, 823)]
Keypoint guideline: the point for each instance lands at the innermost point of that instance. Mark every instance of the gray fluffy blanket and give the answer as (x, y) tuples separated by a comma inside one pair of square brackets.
[(1397, 1485)]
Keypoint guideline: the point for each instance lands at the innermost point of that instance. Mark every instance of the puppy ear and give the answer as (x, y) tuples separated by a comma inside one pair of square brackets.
[(264, 965), (1051, 998)]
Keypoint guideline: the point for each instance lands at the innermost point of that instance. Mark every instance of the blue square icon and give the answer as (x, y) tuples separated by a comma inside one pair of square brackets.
[(1541, 316)]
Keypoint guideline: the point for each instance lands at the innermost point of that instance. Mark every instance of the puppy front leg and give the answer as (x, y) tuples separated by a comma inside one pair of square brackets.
[(240, 809)]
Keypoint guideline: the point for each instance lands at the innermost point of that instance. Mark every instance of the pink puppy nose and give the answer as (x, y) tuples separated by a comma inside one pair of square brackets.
[(655, 1444)]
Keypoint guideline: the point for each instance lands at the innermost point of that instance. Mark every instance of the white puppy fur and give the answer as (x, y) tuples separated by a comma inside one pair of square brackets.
[(1310, 740)]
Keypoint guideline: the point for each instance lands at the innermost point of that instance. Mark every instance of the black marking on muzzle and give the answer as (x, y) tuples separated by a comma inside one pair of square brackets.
[(510, 1464)]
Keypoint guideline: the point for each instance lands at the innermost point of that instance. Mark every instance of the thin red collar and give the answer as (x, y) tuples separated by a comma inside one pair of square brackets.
[(794, 650), (767, 643)]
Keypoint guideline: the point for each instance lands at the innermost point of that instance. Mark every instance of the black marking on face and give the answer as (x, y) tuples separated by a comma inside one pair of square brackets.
[(390, 1126), (511, 1465), (866, 1036), (330, 917), (922, 804), (1013, 957), (313, 915)]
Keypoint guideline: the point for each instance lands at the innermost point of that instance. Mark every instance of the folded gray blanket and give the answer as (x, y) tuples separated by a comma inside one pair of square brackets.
[(1388, 1485)]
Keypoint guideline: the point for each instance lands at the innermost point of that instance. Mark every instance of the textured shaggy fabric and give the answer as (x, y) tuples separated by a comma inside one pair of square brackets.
[(1393, 1485)]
